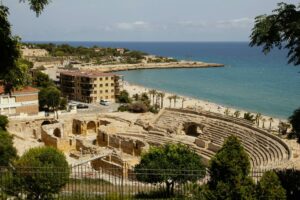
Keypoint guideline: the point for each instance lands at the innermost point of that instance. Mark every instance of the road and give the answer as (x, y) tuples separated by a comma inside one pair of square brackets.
[(96, 107)]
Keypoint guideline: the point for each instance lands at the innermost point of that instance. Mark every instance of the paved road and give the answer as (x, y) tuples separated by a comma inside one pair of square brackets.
[(97, 108)]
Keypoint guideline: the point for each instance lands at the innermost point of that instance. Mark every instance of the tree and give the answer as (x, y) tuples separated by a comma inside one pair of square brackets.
[(41, 79), (136, 97), (263, 121), (227, 112), (153, 93), (41, 172), (123, 97), (281, 29), (175, 97), (170, 99), (290, 181), (162, 96), (270, 120), (171, 163), (229, 170), (257, 118), (237, 114), (295, 122), (8, 153), (269, 187), (145, 99), (49, 99), (10, 67), (137, 107), (3, 122), (182, 101), (248, 116)]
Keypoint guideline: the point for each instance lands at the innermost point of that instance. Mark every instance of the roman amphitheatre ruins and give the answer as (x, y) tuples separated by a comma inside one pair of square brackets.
[(116, 140)]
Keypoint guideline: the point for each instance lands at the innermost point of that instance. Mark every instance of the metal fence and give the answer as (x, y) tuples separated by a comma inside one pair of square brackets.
[(83, 182)]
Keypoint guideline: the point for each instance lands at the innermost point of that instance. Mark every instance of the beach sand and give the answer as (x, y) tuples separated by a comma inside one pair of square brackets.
[(199, 104)]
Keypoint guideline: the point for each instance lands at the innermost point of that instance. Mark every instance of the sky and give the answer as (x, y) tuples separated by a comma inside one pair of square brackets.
[(139, 20)]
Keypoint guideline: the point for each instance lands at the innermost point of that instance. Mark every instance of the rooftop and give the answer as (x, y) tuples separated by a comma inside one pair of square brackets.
[(90, 74), (24, 90)]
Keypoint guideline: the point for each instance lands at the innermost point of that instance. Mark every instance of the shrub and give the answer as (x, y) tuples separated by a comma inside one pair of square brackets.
[(123, 108), (290, 181), (123, 97), (137, 107), (41, 172)]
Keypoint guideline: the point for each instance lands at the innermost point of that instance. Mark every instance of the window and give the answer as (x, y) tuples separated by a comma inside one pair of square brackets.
[(95, 92), (101, 85), (4, 100), (106, 91), (106, 84), (13, 110), (112, 84), (112, 78), (100, 91), (112, 97), (95, 85), (112, 90), (106, 97), (106, 78), (100, 79)]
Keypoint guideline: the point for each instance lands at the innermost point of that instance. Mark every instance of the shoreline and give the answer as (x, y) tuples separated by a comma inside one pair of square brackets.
[(191, 102), (140, 66)]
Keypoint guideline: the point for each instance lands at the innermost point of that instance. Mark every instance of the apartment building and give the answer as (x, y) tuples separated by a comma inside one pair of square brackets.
[(90, 87), (20, 101)]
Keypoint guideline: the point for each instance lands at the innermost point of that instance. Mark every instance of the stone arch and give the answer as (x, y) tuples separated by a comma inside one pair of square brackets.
[(91, 127), (193, 129), (46, 122), (57, 133)]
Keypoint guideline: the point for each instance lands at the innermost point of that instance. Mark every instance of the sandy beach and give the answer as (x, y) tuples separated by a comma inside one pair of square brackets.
[(188, 102)]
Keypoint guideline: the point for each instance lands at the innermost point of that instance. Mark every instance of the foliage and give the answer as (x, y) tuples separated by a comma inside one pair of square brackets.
[(37, 5), (41, 172), (49, 98), (3, 122), (63, 103), (169, 164), (8, 45), (7, 151), (248, 116), (269, 187), (41, 79), (123, 97), (229, 170), (137, 107), (295, 122), (280, 29), (290, 181)]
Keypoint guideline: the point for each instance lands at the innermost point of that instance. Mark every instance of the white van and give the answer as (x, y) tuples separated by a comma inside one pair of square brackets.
[(104, 102)]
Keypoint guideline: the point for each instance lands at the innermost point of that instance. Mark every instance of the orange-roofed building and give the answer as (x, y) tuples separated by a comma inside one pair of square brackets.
[(24, 100)]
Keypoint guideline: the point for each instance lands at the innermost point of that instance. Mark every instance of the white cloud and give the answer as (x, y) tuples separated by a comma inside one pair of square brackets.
[(137, 25), (192, 24), (235, 23)]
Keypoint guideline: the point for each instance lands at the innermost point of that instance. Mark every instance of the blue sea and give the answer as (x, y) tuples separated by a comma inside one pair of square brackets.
[(250, 80)]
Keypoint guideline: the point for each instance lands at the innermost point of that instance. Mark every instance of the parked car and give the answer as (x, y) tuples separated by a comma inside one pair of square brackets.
[(82, 106), (104, 102)]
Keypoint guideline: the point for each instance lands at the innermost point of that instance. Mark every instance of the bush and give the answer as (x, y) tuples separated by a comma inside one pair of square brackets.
[(3, 122), (123, 108), (137, 107), (41, 172), (295, 121)]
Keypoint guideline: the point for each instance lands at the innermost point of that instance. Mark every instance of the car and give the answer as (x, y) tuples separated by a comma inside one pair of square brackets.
[(82, 106), (104, 102)]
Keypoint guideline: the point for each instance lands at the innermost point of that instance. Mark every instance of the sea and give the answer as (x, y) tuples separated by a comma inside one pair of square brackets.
[(249, 81)]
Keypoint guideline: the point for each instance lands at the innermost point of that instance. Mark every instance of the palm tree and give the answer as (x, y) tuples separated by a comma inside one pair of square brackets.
[(162, 95), (153, 93), (237, 114), (227, 112), (183, 100), (257, 118), (175, 97), (263, 121), (270, 120), (170, 99), (157, 100), (136, 97)]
